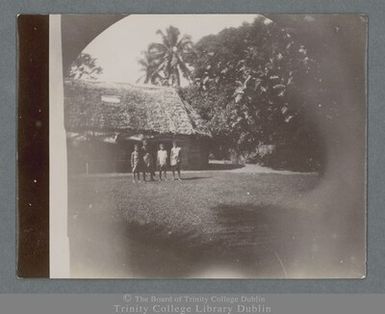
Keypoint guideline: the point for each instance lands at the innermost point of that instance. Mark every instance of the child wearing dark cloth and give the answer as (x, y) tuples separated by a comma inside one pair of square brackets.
[(136, 164), (175, 160), (148, 161)]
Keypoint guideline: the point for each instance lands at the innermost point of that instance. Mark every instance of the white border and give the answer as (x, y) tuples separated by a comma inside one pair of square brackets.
[(58, 210)]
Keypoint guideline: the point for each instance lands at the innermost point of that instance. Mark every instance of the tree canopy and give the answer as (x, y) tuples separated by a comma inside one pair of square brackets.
[(165, 62), (84, 67), (246, 85), (253, 84)]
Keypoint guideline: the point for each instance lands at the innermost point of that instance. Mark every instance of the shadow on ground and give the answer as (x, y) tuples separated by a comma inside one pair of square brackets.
[(223, 166), (194, 178), (249, 241), (242, 242)]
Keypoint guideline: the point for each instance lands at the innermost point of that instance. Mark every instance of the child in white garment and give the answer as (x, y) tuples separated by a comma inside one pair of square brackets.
[(136, 164), (162, 161), (175, 159)]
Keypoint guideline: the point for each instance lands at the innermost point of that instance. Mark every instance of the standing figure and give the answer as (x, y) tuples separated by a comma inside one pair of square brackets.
[(162, 162), (148, 161), (136, 164), (175, 159)]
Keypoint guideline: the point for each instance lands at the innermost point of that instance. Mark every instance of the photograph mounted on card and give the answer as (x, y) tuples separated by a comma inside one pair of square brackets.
[(207, 146)]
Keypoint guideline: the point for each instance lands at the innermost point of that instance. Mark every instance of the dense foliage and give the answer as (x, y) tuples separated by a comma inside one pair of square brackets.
[(247, 86), (84, 67)]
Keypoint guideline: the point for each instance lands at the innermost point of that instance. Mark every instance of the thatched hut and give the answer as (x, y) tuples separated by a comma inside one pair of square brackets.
[(105, 120)]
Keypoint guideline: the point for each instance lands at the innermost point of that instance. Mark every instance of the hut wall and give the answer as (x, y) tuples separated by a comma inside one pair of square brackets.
[(194, 154), (97, 157), (194, 150)]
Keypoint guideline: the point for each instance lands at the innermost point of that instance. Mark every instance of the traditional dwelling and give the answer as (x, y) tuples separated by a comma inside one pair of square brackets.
[(105, 120)]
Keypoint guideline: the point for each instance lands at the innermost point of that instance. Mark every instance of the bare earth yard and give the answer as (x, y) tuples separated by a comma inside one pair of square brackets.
[(211, 224)]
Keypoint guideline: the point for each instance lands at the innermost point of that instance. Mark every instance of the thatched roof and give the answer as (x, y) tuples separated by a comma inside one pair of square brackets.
[(122, 107)]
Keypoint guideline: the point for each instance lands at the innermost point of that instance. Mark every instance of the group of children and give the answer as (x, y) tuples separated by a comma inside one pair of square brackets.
[(142, 162)]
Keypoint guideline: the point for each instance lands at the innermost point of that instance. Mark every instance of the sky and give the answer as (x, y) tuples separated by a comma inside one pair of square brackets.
[(119, 47)]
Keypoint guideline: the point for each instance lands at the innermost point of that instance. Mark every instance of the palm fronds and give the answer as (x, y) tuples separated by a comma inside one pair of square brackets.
[(164, 62)]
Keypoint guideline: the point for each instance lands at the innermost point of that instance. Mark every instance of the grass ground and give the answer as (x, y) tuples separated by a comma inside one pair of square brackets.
[(211, 220)]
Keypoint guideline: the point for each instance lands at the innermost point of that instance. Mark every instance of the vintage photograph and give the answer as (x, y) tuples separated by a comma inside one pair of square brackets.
[(208, 146)]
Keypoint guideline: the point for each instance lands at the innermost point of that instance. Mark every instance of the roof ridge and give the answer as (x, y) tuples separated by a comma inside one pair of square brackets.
[(142, 86)]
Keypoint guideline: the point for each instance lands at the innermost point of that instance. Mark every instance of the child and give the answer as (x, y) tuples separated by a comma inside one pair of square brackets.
[(135, 163), (175, 159), (162, 162), (148, 161)]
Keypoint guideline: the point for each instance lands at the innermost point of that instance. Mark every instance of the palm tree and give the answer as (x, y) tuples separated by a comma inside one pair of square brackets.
[(166, 61), (149, 67)]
